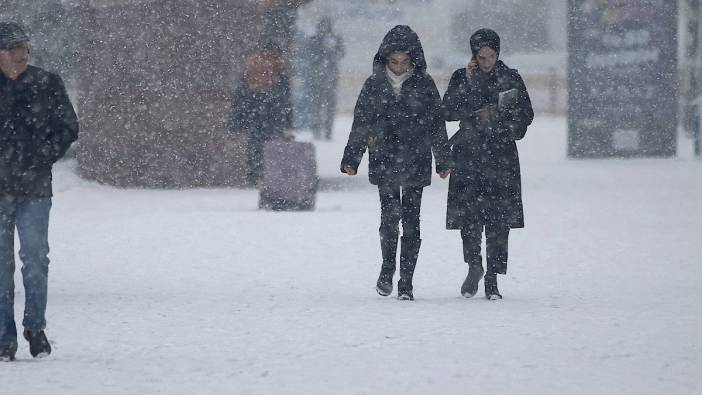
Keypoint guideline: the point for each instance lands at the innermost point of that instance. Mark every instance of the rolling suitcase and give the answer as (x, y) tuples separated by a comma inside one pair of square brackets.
[(289, 176)]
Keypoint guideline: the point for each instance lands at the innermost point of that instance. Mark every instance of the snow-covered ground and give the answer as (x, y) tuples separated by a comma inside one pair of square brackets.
[(198, 292)]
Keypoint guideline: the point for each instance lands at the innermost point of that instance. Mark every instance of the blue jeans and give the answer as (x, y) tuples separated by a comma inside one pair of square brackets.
[(31, 218)]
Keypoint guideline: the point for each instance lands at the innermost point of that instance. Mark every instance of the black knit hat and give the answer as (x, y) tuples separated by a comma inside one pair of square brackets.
[(484, 38), (12, 35)]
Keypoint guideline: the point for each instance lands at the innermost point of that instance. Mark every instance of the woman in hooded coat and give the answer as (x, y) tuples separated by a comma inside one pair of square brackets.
[(398, 119), (492, 104)]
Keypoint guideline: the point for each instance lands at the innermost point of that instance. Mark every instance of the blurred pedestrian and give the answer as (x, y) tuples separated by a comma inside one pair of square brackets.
[(492, 104), (37, 126), (261, 107), (398, 120), (325, 49)]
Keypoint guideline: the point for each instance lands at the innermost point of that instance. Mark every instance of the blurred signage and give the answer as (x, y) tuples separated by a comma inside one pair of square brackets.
[(622, 81)]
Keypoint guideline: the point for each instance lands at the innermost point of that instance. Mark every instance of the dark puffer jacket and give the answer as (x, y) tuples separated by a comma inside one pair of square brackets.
[(485, 186), (37, 125), (400, 132)]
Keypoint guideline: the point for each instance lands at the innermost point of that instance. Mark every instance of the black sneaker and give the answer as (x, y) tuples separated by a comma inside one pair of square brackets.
[(39, 345), (7, 353)]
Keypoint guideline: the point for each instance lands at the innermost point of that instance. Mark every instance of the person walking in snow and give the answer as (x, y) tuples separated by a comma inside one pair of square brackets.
[(37, 125), (492, 104), (324, 50), (398, 119)]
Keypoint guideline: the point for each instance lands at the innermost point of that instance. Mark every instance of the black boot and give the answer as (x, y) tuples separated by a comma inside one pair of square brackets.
[(388, 246), (7, 352), (39, 345), (409, 250), (491, 291), (475, 273)]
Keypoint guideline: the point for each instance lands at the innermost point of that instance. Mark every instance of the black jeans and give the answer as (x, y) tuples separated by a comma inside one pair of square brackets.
[(496, 237), (399, 204)]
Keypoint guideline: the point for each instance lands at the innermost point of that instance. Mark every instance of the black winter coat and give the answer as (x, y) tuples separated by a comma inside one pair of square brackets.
[(37, 125), (400, 133), (262, 114), (485, 186)]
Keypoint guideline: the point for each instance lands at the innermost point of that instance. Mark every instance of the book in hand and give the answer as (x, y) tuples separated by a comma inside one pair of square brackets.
[(507, 99)]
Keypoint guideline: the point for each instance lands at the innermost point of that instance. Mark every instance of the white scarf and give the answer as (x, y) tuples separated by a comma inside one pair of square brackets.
[(397, 80)]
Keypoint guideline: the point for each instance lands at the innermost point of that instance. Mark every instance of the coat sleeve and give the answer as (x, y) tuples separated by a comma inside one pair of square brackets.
[(513, 122), (235, 120), (439, 138), (360, 129), (461, 98), (63, 121)]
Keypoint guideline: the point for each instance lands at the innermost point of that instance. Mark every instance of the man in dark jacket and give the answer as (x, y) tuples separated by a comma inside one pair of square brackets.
[(324, 50), (398, 119), (492, 104), (37, 125), (261, 107)]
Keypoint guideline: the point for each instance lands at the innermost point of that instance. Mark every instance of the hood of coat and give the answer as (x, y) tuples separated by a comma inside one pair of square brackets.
[(400, 38)]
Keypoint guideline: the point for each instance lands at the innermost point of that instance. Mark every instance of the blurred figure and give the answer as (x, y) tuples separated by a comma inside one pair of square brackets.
[(261, 107), (324, 50), (37, 125), (493, 107), (398, 119)]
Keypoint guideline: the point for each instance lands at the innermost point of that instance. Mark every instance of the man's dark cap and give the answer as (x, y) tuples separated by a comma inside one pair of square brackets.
[(12, 35)]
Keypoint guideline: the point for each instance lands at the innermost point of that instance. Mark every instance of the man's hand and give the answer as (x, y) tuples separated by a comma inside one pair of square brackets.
[(349, 170), (444, 174), (288, 134)]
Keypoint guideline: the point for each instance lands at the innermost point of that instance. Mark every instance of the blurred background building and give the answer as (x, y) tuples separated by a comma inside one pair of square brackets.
[(152, 79)]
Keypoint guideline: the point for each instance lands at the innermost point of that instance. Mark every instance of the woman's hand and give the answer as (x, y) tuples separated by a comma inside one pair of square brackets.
[(444, 174), (471, 68), (349, 170)]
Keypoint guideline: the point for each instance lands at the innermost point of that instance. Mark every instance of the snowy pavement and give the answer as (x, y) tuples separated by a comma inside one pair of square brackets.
[(198, 292)]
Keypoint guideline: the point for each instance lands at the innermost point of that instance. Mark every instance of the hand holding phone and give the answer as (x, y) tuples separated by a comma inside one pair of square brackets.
[(472, 67)]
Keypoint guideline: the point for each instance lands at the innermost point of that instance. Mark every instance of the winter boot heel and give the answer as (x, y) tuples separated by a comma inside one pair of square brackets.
[(470, 285), (384, 284)]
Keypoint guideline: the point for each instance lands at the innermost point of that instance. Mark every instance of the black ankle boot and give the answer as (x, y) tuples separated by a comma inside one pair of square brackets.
[(470, 285), (384, 284), (409, 251), (39, 345), (491, 291)]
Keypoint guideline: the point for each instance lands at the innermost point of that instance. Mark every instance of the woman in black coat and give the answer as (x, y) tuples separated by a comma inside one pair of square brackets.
[(493, 107), (261, 105), (398, 119)]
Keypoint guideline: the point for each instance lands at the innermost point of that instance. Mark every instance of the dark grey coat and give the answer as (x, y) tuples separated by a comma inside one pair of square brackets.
[(400, 133), (37, 125), (485, 186)]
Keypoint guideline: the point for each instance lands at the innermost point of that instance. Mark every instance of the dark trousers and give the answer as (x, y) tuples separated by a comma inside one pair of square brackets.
[(399, 204), (496, 237), (254, 161)]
